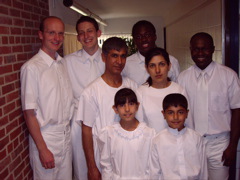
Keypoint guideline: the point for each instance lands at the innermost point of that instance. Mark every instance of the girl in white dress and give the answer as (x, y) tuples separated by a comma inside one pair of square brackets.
[(125, 146), (158, 85)]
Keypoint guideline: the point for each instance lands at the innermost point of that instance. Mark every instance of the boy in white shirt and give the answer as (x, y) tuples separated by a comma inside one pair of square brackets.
[(177, 151)]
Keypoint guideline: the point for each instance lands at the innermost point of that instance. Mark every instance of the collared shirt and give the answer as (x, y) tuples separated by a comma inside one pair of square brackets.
[(46, 88), (135, 68), (223, 94), (79, 65), (178, 155)]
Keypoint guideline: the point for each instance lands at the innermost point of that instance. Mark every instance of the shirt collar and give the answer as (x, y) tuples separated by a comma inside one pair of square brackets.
[(141, 58), (176, 132), (86, 56), (208, 70), (49, 60)]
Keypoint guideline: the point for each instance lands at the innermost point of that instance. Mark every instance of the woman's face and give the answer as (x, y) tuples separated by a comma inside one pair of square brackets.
[(158, 69)]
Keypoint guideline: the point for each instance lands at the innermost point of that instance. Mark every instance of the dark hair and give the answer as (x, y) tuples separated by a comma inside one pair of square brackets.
[(42, 23), (124, 95), (156, 52), (115, 43), (87, 19), (175, 99), (204, 35), (143, 23)]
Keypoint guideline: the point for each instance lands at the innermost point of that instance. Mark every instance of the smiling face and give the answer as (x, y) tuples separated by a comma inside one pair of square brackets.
[(114, 61), (88, 36), (144, 38), (175, 116), (52, 36), (127, 111), (158, 70), (202, 49)]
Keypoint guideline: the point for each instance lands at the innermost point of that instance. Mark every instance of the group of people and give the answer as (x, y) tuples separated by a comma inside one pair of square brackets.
[(110, 116)]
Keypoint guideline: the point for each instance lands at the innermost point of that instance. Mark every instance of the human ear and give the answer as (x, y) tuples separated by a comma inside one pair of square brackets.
[(163, 112), (99, 33), (40, 35), (115, 109)]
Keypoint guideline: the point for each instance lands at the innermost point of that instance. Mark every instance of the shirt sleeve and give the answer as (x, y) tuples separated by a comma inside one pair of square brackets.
[(103, 142), (234, 92), (29, 90), (155, 169), (87, 109), (175, 68)]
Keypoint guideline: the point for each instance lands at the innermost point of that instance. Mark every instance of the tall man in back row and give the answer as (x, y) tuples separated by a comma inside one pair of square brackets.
[(84, 66), (144, 37), (213, 91), (47, 102)]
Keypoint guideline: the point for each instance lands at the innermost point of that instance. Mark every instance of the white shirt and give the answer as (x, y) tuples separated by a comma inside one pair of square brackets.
[(178, 155), (224, 93), (151, 99), (135, 68), (125, 154), (78, 65), (95, 106), (46, 88)]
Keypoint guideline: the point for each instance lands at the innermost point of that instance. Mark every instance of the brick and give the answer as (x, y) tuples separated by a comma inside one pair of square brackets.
[(4, 142), (4, 173), (27, 48), (17, 40), (9, 59), (21, 57), (1, 112), (18, 174), (2, 101), (11, 77), (26, 31), (28, 8), (2, 134), (15, 133), (18, 22), (29, 24), (15, 144), (16, 31), (11, 39), (25, 15), (4, 40), (3, 10), (5, 69), (4, 30), (17, 4), (5, 50), (17, 66), (17, 48), (8, 108), (37, 10), (34, 17), (6, 20), (3, 120), (3, 153), (6, 2), (15, 12), (10, 148), (8, 88), (12, 96), (25, 153), (15, 114), (45, 12), (15, 163), (11, 126)]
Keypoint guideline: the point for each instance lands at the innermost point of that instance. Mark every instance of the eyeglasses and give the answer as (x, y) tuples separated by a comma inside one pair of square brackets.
[(142, 36), (53, 33)]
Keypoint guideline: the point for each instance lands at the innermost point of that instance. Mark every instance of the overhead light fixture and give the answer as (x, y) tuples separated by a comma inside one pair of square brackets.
[(82, 10)]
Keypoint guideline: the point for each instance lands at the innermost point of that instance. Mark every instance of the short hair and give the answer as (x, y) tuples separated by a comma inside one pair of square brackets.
[(175, 99), (143, 23), (115, 43), (204, 35), (155, 52), (87, 19), (42, 23), (124, 95)]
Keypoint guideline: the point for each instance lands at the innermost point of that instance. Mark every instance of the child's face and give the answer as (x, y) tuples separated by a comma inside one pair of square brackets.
[(127, 111), (175, 116)]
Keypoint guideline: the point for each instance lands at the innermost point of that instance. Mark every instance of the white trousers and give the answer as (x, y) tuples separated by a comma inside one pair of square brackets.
[(79, 161), (215, 145), (58, 140)]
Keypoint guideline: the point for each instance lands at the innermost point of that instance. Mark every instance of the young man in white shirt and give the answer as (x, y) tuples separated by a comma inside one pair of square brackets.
[(217, 117), (84, 66), (95, 105), (144, 37), (47, 102)]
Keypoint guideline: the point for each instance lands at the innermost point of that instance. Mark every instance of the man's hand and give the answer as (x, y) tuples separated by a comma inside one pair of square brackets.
[(47, 159), (229, 155), (94, 174)]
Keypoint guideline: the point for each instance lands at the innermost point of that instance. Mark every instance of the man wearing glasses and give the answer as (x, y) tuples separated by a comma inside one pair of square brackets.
[(47, 102)]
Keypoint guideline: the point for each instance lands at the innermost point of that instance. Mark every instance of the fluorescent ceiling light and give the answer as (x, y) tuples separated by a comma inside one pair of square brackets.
[(82, 10)]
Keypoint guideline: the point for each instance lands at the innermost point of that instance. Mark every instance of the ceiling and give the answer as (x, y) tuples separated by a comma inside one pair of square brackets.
[(108, 9)]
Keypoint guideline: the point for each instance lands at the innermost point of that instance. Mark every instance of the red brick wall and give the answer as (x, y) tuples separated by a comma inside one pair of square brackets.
[(19, 21)]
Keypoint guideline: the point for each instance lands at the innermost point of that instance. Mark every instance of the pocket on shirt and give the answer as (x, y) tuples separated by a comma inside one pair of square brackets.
[(218, 101)]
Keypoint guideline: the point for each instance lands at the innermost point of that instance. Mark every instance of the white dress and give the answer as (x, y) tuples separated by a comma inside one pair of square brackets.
[(151, 105), (178, 155), (125, 154)]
